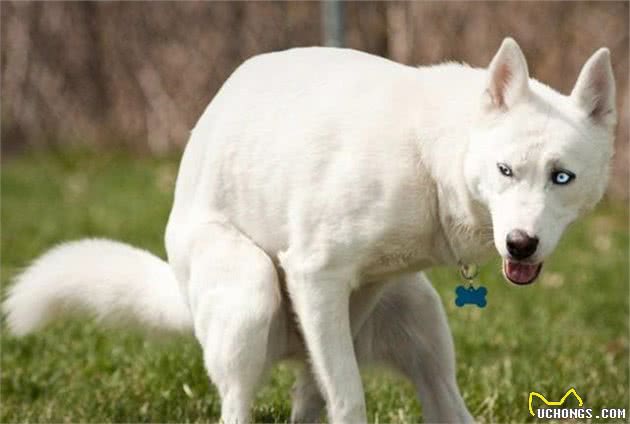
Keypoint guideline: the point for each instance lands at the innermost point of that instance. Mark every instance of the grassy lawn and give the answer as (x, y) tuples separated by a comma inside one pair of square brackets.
[(570, 329)]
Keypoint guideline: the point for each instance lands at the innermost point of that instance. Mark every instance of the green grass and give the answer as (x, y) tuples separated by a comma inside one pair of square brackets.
[(568, 330)]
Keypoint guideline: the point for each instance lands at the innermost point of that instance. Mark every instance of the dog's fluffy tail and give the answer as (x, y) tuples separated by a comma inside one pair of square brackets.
[(109, 279)]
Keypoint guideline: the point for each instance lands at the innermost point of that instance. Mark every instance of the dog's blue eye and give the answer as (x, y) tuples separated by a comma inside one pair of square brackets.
[(504, 169), (562, 177)]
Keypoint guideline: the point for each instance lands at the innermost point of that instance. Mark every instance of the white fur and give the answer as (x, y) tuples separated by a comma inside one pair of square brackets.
[(316, 185), (112, 280)]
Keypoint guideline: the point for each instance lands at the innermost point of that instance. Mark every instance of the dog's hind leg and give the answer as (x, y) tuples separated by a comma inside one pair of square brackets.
[(408, 330), (307, 402), (234, 294)]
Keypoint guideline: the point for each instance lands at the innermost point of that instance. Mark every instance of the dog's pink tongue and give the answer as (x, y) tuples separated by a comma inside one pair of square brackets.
[(521, 272)]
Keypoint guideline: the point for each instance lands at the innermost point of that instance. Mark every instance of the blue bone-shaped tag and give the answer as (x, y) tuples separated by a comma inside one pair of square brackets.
[(471, 296)]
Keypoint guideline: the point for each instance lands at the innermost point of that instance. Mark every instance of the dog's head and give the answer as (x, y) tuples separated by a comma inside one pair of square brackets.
[(538, 159)]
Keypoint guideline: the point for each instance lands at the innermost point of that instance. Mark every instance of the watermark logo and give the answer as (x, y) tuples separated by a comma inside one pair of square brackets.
[(571, 413), (553, 403)]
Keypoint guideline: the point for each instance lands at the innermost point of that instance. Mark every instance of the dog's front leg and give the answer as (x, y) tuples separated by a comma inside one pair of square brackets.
[(307, 403), (321, 303), (408, 330)]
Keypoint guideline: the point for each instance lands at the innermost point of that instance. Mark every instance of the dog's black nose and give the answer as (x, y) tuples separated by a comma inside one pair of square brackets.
[(520, 244)]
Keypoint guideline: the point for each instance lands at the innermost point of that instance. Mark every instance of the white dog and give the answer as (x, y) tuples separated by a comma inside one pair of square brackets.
[(314, 188)]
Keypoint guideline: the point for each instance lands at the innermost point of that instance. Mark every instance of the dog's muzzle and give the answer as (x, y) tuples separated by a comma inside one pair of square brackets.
[(521, 273)]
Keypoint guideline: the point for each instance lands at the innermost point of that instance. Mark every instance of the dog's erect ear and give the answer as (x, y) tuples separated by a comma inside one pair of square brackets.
[(594, 90), (508, 75)]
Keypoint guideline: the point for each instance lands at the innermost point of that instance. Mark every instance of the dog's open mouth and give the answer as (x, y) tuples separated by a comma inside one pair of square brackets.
[(521, 273)]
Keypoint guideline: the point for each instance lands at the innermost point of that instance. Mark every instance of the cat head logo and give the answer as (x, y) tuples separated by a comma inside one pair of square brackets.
[(571, 391)]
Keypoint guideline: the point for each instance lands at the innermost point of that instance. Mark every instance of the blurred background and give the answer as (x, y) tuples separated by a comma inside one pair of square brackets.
[(137, 75), (97, 100)]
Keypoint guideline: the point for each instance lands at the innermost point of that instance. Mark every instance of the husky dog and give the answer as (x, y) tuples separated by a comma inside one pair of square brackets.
[(315, 188)]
